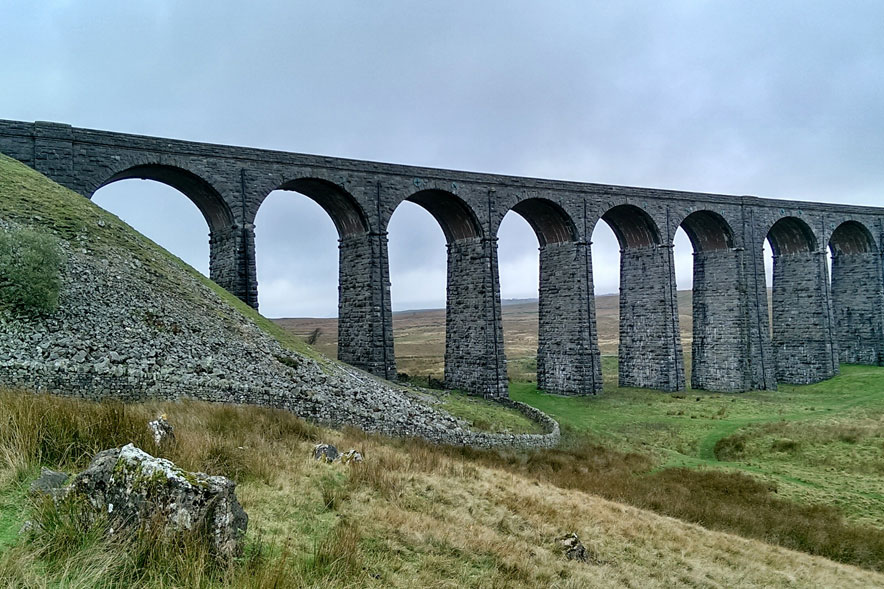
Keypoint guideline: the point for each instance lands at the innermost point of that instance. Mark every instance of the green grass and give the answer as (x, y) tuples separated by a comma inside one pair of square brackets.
[(487, 415), (820, 443), (398, 519)]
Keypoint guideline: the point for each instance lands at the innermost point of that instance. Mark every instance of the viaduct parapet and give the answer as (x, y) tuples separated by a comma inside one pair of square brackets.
[(816, 323)]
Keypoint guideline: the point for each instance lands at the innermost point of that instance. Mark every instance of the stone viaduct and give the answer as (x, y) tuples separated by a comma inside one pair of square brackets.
[(815, 324)]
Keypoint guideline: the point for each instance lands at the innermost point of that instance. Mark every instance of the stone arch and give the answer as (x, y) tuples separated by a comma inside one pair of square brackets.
[(791, 235), (456, 218), (719, 355), (228, 241), (857, 295), (708, 231), (803, 346), (649, 350), (633, 226), (568, 361), (551, 223), (852, 237), (343, 209), (364, 314), (474, 356), (207, 199)]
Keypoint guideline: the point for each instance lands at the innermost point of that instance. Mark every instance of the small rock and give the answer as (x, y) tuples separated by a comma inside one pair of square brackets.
[(29, 527), (325, 453), (351, 455), (573, 548), (51, 483), (163, 432)]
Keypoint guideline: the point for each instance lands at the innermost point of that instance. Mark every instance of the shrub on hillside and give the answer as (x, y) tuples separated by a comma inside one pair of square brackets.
[(30, 268)]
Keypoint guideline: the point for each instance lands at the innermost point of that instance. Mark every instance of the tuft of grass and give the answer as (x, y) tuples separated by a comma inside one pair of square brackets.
[(30, 270)]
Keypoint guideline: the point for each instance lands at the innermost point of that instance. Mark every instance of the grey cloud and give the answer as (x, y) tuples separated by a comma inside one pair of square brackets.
[(780, 99)]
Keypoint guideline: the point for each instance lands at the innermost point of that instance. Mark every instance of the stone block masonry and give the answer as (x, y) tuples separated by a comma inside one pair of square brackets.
[(568, 360), (650, 352), (364, 305), (857, 306), (474, 357), (719, 352), (732, 351), (802, 322)]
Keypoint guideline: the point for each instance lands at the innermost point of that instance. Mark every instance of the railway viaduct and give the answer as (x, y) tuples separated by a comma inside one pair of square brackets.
[(816, 323)]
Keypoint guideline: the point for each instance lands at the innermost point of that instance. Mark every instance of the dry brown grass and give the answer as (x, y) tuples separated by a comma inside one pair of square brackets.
[(411, 515), (419, 336)]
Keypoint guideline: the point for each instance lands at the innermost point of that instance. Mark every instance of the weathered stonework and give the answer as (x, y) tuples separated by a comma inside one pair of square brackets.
[(364, 312), (474, 357), (802, 334), (568, 359), (857, 307), (650, 353), (229, 184), (720, 326)]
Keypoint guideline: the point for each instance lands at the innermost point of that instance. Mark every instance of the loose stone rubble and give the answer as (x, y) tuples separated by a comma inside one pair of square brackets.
[(133, 328), (328, 454)]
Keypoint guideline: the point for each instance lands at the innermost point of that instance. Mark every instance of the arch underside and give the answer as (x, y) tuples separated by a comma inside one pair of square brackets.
[(852, 237), (633, 227), (791, 235), (550, 222), (345, 212), (210, 203), (708, 231), (453, 215)]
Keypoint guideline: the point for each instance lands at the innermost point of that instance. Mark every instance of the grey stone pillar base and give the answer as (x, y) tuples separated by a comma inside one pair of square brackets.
[(719, 353), (365, 318), (232, 262), (858, 308), (568, 360), (650, 353), (474, 356), (802, 334)]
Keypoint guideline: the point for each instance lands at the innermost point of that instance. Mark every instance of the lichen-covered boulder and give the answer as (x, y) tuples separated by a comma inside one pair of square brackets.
[(135, 489)]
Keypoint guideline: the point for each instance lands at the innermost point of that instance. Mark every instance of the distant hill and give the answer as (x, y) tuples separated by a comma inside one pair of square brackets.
[(419, 335)]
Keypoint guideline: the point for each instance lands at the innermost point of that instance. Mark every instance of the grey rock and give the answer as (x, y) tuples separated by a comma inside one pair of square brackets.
[(325, 453), (136, 489), (573, 548), (351, 456), (163, 432), (50, 482)]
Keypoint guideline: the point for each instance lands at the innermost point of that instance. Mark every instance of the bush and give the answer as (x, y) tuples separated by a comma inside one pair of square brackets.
[(30, 270)]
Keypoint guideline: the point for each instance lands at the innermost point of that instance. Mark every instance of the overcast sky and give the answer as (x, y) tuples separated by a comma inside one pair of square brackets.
[(780, 99)]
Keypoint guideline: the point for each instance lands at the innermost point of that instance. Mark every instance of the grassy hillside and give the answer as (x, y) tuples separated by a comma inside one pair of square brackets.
[(30, 199), (411, 515), (820, 444)]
